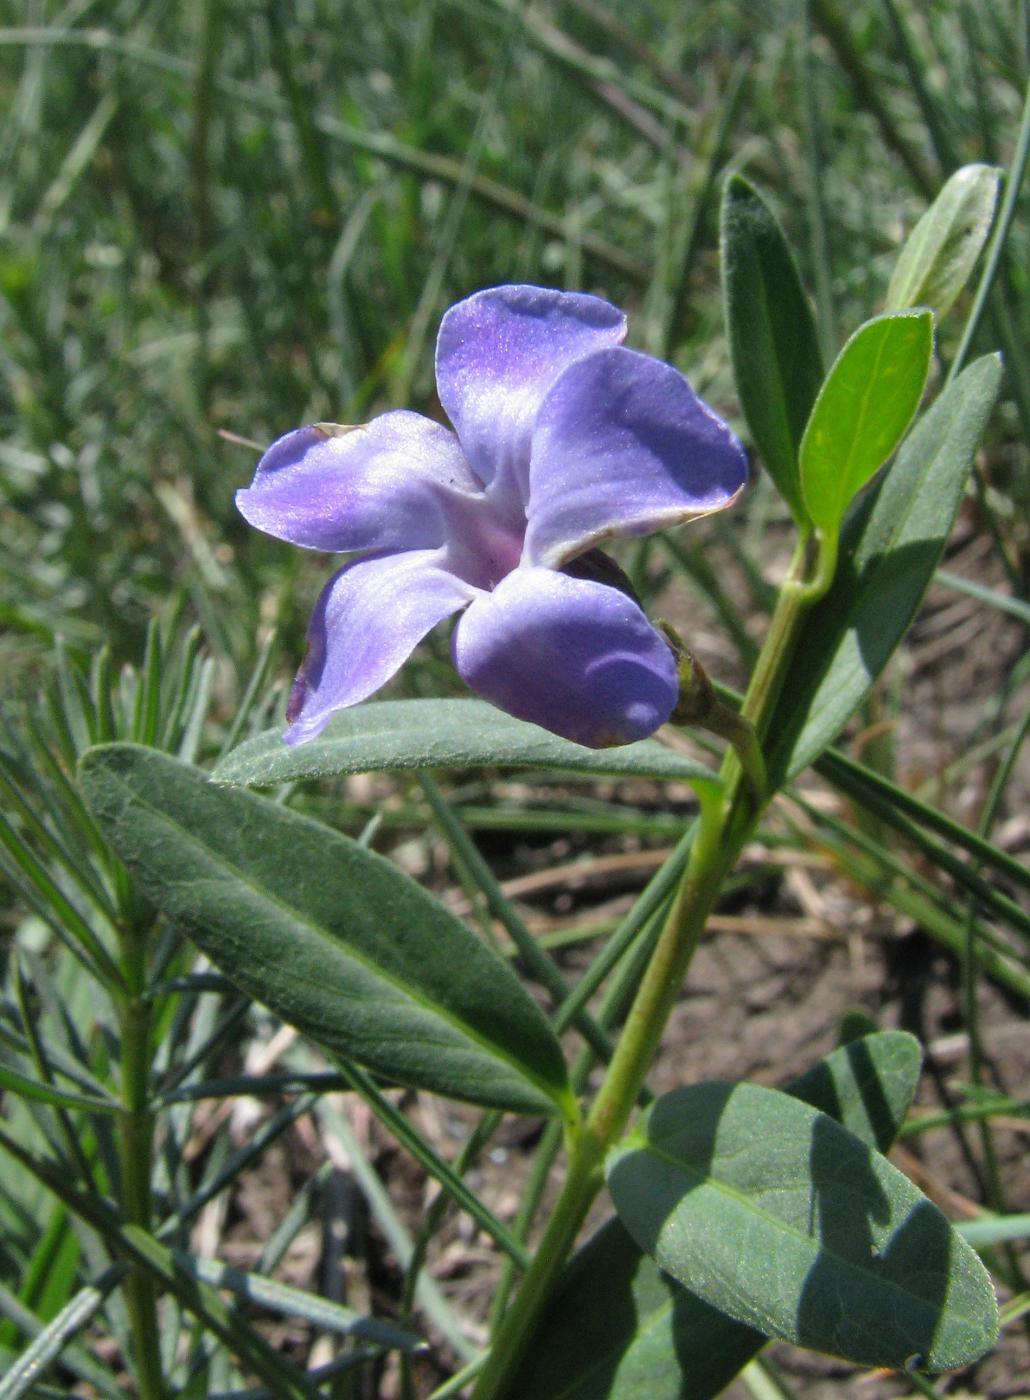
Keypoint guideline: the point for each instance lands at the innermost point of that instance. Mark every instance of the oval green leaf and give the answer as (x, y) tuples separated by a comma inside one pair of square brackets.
[(867, 1085), (890, 549), (942, 249), (618, 1328), (330, 936), (863, 411), (776, 361), (777, 1216), (397, 734)]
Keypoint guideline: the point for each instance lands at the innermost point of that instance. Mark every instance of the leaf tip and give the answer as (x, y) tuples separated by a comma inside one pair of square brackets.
[(99, 756), (738, 186)]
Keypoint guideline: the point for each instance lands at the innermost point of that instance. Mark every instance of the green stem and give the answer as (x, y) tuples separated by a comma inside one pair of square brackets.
[(136, 1140), (643, 923), (708, 864), (798, 593), (584, 1180), (729, 724), (727, 818), (710, 861)]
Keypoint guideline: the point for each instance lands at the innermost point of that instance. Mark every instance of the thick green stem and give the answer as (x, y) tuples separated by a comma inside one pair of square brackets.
[(810, 575), (584, 1180), (708, 864), (727, 818), (796, 596), (710, 859)]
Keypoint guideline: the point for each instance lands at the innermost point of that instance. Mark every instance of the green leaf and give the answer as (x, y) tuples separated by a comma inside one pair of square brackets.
[(995, 1230), (890, 548), (867, 1085), (283, 1298), (863, 411), (332, 937), (776, 360), (776, 1215), (28, 1088), (394, 734), (942, 249), (618, 1328), (909, 814)]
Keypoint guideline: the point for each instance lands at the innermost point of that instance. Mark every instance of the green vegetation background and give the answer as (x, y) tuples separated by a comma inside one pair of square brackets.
[(220, 220)]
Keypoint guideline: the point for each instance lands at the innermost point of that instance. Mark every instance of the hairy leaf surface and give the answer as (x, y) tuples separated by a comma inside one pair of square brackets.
[(942, 249), (397, 734), (776, 361), (330, 936)]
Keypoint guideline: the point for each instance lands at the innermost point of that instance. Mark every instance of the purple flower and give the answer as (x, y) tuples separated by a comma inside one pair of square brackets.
[(562, 439)]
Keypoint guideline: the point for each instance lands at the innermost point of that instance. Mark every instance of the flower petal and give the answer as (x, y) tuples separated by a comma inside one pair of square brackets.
[(369, 618), (623, 446), (572, 655), (384, 485), (497, 354)]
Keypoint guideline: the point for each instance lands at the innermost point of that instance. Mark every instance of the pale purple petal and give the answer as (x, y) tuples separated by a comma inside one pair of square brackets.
[(497, 354), (384, 485), (367, 621), (574, 656), (623, 446)]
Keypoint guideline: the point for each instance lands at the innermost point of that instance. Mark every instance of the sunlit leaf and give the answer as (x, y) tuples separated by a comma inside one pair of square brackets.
[(863, 410), (396, 734), (889, 551)]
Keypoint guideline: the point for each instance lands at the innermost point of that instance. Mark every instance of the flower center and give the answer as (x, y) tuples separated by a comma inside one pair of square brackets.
[(481, 548)]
